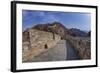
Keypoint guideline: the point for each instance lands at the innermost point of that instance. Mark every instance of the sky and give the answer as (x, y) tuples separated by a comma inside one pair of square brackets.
[(77, 20)]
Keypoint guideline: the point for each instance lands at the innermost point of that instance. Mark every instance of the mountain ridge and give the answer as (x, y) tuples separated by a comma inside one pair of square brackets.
[(59, 28)]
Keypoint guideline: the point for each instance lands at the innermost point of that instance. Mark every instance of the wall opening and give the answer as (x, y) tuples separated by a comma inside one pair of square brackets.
[(46, 46)]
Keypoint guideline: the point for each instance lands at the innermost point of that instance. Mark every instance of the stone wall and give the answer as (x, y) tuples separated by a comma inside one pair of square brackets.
[(37, 43), (81, 45)]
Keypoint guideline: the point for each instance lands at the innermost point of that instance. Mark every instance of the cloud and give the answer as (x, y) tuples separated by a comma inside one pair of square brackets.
[(70, 19)]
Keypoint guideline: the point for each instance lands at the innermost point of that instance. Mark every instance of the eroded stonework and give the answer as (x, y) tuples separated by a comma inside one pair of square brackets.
[(38, 42)]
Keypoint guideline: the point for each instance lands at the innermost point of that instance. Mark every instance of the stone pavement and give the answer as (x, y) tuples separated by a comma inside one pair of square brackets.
[(57, 53)]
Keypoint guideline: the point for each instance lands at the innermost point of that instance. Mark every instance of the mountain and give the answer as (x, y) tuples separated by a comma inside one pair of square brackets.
[(77, 32), (60, 29)]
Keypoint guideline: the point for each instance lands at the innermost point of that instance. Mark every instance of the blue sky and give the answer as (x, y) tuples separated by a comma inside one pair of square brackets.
[(68, 19)]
